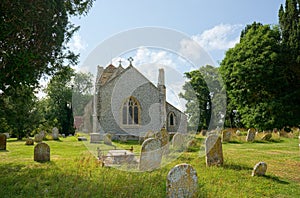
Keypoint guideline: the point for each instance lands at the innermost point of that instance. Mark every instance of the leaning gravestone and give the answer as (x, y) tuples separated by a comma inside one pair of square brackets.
[(38, 138), (178, 141), (29, 141), (107, 139), (226, 136), (213, 150), (2, 141), (250, 135), (182, 181), (259, 169), (42, 152), (151, 154), (267, 137), (55, 133)]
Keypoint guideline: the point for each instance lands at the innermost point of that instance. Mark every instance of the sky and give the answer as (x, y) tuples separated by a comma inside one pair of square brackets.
[(214, 24), (176, 35)]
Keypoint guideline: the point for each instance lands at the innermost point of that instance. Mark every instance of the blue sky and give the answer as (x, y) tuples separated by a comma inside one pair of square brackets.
[(214, 24)]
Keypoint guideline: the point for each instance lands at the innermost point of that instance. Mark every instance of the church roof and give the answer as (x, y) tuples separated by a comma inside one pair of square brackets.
[(109, 73)]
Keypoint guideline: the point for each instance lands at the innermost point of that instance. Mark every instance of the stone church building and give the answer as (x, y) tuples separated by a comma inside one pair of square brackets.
[(127, 103)]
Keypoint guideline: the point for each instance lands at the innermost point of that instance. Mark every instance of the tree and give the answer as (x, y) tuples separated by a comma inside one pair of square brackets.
[(33, 37), (59, 95), (205, 98), (82, 92), (253, 77), (289, 20)]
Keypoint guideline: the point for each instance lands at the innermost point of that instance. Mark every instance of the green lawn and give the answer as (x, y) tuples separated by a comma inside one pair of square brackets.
[(74, 172)]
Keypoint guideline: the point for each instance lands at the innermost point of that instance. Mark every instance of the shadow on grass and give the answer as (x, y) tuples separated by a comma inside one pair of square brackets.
[(4, 151), (237, 167), (267, 142), (275, 179)]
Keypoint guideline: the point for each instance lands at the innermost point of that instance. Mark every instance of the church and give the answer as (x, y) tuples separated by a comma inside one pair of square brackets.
[(127, 103)]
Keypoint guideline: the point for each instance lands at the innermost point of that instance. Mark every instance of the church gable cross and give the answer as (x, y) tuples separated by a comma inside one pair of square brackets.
[(130, 59)]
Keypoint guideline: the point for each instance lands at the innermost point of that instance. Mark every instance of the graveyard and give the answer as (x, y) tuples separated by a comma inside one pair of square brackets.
[(73, 171)]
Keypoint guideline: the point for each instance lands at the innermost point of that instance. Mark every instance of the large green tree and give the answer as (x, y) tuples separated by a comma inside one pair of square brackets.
[(33, 37), (59, 95), (254, 77)]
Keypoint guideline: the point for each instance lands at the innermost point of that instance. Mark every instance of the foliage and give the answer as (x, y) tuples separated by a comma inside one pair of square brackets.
[(205, 98), (82, 92), (59, 95)]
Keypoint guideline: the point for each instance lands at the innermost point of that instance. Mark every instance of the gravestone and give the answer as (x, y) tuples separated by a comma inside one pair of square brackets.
[(213, 150), (163, 136), (43, 134), (107, 139), (55, 133), (267, 137), (7, 135), (42, 152), (29, 141), (250, 135), (151, 154), (259, 169), (95, 138), (2, 141), (226, 136), (178, 141), (182, 181), (38, 138)]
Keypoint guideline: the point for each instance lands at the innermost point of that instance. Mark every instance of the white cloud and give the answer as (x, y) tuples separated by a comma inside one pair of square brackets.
[(77, 44), (220, 37)]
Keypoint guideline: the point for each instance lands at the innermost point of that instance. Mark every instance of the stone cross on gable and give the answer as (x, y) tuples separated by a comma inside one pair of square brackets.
[(130, 59), (120, 62)]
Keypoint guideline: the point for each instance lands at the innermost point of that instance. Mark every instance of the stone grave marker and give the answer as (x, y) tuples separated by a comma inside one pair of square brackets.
[(107, 139), (43, 134), (29, 141), (213, 150), (267, 137), (38, 138), (151, 154), (182, 181), (226, 136), (250, 135), (163, 136), (179, 141), (42, 152), (259, 169), (95, 138), (2, 141), (55, 133)]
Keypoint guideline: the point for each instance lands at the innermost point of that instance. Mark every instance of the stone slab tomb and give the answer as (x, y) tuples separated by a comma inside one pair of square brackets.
[(151, 154), (95, 138), (42, 152), (213, 151), (182, 181), (2, 141)]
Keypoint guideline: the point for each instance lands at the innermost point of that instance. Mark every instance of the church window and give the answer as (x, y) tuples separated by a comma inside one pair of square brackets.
[(172, 120), (130, 112)]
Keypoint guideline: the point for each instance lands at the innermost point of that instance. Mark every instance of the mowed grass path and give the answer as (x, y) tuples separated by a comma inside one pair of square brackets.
[(74, 172)]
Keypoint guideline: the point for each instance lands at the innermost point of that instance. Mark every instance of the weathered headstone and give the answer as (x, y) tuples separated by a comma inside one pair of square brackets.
[(250, 135), (182, 181), (213, 150), (178, 141), (267, 137), (29, 141), (38, 138), (226, 136), (95, 137), (107, 139), (2, 141), (259, 169), (42, 152), (55, 133), (42, 134), (151, 154), (163, 136)]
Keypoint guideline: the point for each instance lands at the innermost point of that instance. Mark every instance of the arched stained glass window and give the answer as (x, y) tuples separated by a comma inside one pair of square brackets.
[(130, 112)]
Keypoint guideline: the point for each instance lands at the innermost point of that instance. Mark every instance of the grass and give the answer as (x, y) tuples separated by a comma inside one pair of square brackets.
[(74, 172)]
